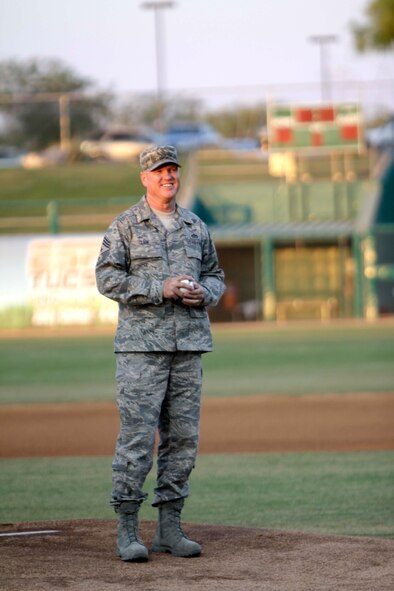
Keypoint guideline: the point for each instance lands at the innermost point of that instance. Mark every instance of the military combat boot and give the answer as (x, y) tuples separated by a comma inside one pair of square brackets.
[(130, 547), (169, 536)]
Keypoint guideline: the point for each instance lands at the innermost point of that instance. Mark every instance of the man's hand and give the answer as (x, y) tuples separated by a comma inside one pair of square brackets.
[(190, 296)]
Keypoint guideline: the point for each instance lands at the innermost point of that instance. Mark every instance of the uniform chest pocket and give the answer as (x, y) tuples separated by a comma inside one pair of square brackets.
[(145, 251), (194, 256), (193, 251), (149, 256)]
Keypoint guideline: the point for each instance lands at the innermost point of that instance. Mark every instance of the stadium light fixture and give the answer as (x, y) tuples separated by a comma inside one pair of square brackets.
[(323, 41), (158, 7)]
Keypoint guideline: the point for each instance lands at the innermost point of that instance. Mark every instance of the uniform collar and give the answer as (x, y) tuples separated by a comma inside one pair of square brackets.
[(144, 212)]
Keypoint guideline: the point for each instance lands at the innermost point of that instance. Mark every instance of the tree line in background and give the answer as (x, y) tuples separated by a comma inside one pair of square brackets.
[(29, 103), (30, 91), (31, 117), (377, 32)]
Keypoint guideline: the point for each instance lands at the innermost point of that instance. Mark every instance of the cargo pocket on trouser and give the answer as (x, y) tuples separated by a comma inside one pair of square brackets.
[(126, 482), (141, 387), (179, 428)]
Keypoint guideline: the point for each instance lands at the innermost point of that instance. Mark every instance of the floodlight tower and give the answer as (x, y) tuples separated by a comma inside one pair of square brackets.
[(323, 41), (158, 6)]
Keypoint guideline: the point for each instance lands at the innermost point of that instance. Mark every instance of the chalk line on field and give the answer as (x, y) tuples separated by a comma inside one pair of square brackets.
[(41, 532)]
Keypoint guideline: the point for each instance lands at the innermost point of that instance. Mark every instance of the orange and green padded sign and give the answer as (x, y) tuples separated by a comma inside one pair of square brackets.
[(328, 127)]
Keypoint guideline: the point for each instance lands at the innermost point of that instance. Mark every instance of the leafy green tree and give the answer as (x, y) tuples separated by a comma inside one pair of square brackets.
[(378, 32), (143, 110), (29, 92), (239, 121)]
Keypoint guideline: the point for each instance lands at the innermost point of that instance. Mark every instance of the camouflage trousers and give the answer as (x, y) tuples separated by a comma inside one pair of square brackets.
[(156, 393)]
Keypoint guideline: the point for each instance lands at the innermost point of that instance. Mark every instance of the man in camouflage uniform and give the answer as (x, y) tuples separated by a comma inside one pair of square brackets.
[(147, 254)]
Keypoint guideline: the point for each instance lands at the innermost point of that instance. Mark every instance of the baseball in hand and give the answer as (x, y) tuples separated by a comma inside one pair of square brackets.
[(187, 282)]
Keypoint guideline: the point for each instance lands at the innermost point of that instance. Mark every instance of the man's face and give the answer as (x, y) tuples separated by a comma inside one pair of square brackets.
[(161, 184)]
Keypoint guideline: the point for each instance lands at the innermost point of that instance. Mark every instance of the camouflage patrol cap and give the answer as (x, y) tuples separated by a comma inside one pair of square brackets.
[(156, 156)]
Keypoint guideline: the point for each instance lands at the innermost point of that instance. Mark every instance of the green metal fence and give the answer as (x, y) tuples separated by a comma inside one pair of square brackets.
[(280, 202), (375, 253), (60, 215)]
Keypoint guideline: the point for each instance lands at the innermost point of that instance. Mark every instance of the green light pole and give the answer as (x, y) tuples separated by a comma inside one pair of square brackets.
[(269, 295)]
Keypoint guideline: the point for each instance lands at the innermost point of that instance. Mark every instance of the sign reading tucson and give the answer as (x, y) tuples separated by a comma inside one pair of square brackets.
[(62, 286)]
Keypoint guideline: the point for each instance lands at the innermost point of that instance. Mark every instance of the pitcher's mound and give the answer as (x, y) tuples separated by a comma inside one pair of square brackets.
[(80, 556)]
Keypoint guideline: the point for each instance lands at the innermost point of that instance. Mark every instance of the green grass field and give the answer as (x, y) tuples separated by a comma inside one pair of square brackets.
[(341, 493), (338, 493), (265, 360)]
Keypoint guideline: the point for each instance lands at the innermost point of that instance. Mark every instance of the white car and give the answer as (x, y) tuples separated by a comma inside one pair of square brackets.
[(118, 145)]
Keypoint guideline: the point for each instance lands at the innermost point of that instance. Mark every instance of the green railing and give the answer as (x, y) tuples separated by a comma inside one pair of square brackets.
[(279, 202), (375, 251), (60, 215)]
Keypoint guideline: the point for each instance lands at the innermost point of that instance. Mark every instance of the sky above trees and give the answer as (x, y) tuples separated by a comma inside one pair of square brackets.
[(204, 43)]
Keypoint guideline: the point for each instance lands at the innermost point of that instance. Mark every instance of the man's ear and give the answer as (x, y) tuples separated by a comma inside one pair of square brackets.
[(143, 178)]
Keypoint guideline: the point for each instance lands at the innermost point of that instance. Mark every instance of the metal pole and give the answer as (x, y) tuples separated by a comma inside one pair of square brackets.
[(157, 7), (269, 295), (160, 61), (323, 41), (64, 121), (358, 277), (53, 217), (370, 277)]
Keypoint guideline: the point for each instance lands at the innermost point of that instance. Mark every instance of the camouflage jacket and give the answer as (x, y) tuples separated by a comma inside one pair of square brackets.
[(137, 255)]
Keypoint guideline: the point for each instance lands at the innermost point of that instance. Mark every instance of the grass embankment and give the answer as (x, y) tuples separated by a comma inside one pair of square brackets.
[(83, 180), (110, 179), (87, 195), (72, 198)]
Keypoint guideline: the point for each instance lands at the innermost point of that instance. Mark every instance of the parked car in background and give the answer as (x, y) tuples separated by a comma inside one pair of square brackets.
[(191, 135), (241, 144), (11, 157), (118, 144), (381, 138)]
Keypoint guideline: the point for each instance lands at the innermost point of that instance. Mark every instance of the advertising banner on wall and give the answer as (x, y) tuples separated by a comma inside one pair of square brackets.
[(61, 282)]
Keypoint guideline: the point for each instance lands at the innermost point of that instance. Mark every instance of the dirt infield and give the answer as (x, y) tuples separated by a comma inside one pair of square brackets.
[(348, 422), (80, 556)]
